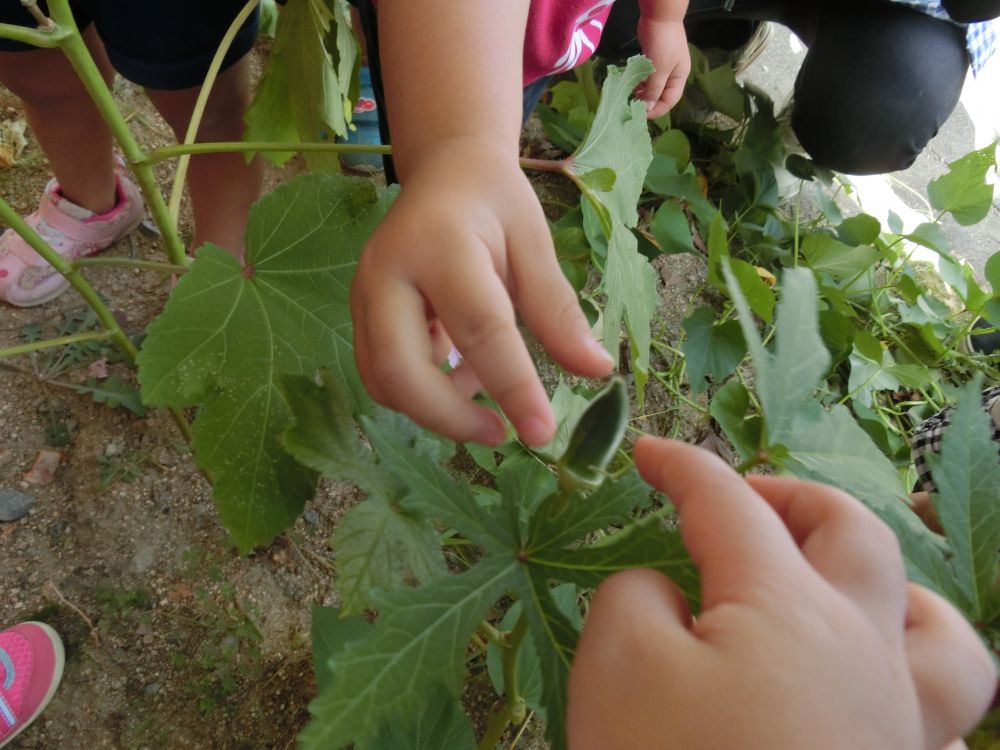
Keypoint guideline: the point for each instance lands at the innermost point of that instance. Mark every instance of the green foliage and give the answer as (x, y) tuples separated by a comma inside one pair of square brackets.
[(712, 351), (411, 663), (828, 445), (229, 334), (305, 92), (963, 191), (113, 392), (967, 474), (617, 142)]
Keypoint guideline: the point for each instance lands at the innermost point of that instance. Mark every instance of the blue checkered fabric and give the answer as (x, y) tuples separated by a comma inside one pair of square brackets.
[(980, 38)]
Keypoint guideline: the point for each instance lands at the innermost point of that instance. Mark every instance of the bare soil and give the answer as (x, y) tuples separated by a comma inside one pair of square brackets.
[(172, 639)]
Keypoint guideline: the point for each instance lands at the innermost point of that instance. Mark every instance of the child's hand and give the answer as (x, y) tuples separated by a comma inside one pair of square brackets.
[(464, 245), (665, 43), (809, 635)]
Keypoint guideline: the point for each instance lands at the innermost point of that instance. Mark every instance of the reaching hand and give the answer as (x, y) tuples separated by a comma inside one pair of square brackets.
[(463, 246), (665, 43), (809, 635)]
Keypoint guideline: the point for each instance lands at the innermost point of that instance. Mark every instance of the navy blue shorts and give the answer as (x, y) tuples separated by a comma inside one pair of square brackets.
[(156, 44)]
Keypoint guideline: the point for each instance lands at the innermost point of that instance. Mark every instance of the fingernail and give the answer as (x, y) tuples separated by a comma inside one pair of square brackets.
[(650, 106)]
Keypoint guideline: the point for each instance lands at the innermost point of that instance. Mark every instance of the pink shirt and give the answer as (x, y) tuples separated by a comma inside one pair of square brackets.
[(561, 34)]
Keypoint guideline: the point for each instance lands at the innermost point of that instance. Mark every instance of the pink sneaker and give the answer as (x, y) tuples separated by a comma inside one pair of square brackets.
[(31, 663), (27, 280)]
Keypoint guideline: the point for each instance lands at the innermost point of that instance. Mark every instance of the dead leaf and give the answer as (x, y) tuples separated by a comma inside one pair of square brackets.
[(768, 277), (44, 470), (98, 368), (12, 142)]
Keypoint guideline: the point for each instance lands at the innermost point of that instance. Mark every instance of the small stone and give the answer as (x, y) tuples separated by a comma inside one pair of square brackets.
[(43, 471), (143, 559), (311, 517), (152, 688), (112, 449), (14, 504)]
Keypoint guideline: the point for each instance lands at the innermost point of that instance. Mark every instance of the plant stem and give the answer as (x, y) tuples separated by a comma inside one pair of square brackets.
[(118, 262), (494, 729), (545, 165), (73, 276), (36, 346), (514, 709), (44, 38), (174, 207), (79, 57), (169, 152)]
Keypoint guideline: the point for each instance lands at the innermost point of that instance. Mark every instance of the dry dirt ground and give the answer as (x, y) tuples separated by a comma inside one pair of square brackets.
[(173, 640)]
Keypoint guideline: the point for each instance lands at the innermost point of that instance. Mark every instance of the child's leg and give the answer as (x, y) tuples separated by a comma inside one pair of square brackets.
[(65, 121), (222, 186)]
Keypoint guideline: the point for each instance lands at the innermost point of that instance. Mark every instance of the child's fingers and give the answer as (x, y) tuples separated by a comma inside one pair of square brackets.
[(845, 543), (738, 542), (547, 302), (636, 640), (394, 357), (473, 303), (954, 674)]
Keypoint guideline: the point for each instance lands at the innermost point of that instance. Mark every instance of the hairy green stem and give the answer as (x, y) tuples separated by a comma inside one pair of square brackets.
[(174, 206), (36, 346), (169, 152), (79, 57), (142, 265)]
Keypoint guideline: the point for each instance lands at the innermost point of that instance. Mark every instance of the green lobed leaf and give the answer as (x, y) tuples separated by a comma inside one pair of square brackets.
[(674, 144), (380, 546), (555, 638), (418, 643), (787, 378), (967, 474), (646, 544), (825, 254), (443, 724), (670, 229), (557, 523), (524, 482), (723, 92), (630, 284), (861, 229), (712, 351), (432, 492), (229, 333), (829, 446), (324, 435), (729, 408), (330, 633), (618, 140), (963, 191), (758, 294), (304, 92), (114, 393)]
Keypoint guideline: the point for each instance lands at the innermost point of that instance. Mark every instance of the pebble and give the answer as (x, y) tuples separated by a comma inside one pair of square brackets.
[(152, 688), (311, 517), (14, 504)]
